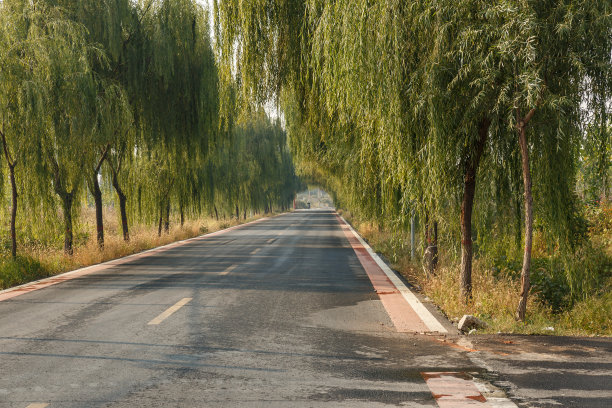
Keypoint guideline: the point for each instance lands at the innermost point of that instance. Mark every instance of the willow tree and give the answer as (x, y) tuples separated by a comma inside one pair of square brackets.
[(72, 93), (43, 73), (112, 26), (399, 102), (12, 76), (22, 89), (115, 27), (175, 106), (563, 55)]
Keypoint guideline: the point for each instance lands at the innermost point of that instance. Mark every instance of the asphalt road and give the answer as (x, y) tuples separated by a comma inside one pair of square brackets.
[(275, 313)]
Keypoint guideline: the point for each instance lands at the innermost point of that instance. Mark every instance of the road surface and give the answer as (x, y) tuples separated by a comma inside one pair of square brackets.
[(279, 312)]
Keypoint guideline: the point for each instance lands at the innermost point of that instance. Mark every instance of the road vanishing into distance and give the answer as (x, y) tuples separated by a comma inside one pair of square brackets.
[(289, 311)]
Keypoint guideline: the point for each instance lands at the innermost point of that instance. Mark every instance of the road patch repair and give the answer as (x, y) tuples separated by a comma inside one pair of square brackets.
[(404, 308), (459, 389)]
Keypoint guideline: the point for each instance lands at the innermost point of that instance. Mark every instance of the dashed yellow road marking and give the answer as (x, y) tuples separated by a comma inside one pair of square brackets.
[(271, 240), (229, 269), (163, 316), (38, 405), (255, 251)]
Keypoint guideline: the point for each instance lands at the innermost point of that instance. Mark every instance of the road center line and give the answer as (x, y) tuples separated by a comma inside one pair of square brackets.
[(37, 405), (164, 315), (229, 269), (271, 240), (255, 251)]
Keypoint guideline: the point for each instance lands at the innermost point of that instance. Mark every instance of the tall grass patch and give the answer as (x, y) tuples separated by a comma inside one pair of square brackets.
[(571, 289)]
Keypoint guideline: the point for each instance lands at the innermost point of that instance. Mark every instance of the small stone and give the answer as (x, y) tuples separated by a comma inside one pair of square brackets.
[(549, 328), (470, 322), (473, 331)]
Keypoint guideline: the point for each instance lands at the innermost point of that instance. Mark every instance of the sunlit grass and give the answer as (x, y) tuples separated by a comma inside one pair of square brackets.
[(36, 262), (496, 295)]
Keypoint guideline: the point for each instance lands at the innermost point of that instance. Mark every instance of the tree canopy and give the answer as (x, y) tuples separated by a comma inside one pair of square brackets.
[(443, 108), (127, 94)]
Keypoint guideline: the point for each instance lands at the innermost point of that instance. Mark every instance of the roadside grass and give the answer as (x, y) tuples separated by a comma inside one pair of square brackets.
[(36, 261), (568, 296)]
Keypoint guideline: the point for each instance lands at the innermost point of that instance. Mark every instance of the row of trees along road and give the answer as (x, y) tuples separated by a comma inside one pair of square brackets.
[(402, 107), (128, 94)]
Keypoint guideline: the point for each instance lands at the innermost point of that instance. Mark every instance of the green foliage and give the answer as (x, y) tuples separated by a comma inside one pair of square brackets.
[(562, 281), (126, 95), (21, 270), (595, 164), (386, 99)]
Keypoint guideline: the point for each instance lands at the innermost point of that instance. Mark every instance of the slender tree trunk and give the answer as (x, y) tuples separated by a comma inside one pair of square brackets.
[(469, 187), (412, 236), (124, 220), (430, 258), (525, 272), (161, 216), (237, 213), (11, 165), (167, 218), (122, 208), (182, 216), (244, 214), (467, 206), (67, 199), (97, 195), (216, 213), (434, 258), (13, 210)]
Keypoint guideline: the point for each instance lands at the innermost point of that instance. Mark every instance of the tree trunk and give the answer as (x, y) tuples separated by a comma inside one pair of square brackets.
[(412, 236), (161, 216), (467, 205), (167, 218), (122, 208), (182, 216), (13, 210), (525, 284), (244, 214), (434, 257), (97, 195), (430, 258), (216, 213), (469, 186), (67, 199), (237, 213), (11, 165)]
